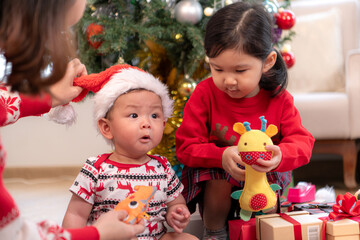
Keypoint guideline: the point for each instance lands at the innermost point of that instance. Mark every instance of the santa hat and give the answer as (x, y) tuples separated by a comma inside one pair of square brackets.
[(108, 86)]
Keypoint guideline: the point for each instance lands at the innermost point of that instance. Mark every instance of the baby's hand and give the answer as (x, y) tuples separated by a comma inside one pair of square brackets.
[(178, 217), (230, 158), (268, 165)]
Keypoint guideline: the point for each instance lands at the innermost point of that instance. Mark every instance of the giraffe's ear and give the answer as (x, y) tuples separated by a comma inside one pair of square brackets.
[(239, 128), (271, 130)]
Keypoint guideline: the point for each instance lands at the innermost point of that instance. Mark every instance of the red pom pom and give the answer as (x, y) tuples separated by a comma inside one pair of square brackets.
[(92, 30), (258, 202), (285, 19), (289, 58)]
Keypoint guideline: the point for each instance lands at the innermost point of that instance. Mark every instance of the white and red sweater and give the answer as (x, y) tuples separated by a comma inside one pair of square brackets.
[(12, 226)]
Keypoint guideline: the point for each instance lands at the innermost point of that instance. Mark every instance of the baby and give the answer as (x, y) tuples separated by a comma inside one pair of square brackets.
[(130, 108)]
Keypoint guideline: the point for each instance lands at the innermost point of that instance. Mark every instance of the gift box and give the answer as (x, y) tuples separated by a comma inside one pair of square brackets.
[(344, 221), (343, 229), (242, 230), (292, 225)]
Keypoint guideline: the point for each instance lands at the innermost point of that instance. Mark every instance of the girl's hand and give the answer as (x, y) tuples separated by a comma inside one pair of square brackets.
[(178, 217), (230, 158), (267, 166), (111, 226), (64, 91)]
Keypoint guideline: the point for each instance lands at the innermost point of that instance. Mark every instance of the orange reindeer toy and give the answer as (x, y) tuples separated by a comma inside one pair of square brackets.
[(257, 193), (136, 203)]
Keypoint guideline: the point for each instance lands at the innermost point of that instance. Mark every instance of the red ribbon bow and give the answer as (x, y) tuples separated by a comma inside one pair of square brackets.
[(346, 206)]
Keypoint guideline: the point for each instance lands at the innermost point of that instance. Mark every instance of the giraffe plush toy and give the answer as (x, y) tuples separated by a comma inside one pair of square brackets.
[(257, 194)]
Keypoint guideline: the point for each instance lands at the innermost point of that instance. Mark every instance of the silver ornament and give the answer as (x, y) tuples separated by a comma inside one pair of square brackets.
[(188, 11), (270, 7)]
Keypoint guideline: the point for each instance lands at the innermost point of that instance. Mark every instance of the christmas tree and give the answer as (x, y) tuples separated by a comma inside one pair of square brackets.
[(164, 37)]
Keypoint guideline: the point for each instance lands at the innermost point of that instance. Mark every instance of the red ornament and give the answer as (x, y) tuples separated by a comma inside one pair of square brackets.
[(285, 19), (92, 30), (289, 58)]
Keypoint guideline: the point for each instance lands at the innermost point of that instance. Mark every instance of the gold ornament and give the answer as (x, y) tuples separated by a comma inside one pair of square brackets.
[(186, 86)]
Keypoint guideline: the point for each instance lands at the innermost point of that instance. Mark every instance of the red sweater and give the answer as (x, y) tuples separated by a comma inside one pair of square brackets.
[(210, 114), (12, 225)]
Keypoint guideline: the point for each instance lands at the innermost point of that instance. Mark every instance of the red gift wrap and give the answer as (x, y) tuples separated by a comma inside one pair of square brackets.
[(242, 230)]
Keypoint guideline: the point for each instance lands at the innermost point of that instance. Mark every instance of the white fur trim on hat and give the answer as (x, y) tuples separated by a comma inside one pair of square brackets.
[(124, 81), (63, 114)]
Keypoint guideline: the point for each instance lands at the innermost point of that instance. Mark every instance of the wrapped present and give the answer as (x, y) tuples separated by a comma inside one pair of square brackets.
[(297, 225), (343, 229), (344, 221), (242, 230)]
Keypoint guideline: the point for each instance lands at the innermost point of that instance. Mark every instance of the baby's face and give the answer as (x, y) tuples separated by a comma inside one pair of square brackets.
[(137, 122)]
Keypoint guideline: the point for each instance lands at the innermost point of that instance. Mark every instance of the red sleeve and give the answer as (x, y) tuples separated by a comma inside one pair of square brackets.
[(34, 105), (297, 143), (86, 233), (14, 106), (193, 147)]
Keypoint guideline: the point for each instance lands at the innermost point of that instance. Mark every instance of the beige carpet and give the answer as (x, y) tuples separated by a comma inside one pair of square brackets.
[(48, 198)]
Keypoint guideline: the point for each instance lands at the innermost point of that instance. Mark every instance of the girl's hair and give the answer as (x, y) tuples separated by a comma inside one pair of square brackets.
[(32, 36), (247, 28)]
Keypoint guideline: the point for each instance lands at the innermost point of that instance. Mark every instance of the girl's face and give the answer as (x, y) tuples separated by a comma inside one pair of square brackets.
[(136, 123), (238, 74), (75, 12)]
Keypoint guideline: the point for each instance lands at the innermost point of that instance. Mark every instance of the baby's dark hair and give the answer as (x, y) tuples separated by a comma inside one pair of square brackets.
[(247, 28)]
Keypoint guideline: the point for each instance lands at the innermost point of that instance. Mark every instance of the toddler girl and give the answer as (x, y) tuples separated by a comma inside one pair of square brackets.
[(248, 81)]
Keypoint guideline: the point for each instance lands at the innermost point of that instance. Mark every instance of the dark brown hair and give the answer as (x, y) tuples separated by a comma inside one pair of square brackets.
[(248, 28), (32, 36)]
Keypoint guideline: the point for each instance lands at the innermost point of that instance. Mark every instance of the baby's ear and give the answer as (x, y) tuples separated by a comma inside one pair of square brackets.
[(104, 128)]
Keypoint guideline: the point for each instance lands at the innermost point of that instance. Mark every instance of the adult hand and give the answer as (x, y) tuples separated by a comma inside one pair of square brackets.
[(230, 158), (111, 226), (64, 91)]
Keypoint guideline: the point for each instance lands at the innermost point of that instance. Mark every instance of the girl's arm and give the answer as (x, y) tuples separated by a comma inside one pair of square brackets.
[(297, 143), (77, 213), (193, 146)]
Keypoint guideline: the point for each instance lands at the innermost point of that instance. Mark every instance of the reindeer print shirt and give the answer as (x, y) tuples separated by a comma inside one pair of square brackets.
[(104, 183)]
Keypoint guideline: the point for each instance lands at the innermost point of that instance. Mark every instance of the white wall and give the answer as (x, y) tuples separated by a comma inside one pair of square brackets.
[(35, 141)]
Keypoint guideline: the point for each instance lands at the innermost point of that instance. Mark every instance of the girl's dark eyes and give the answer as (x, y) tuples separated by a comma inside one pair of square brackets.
[(133, 115), (240, 71), (154, 115)]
